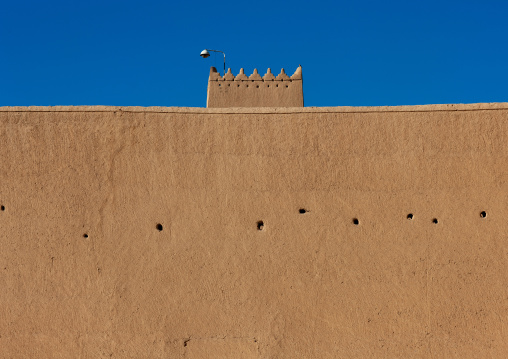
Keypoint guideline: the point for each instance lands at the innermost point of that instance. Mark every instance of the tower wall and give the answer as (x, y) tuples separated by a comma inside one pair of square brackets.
[(254, 90)]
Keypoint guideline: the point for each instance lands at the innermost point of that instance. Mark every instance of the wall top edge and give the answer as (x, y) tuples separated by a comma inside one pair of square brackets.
[(262, 110)]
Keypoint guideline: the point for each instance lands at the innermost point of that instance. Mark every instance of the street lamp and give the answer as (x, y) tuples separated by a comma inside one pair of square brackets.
[(204, 54)]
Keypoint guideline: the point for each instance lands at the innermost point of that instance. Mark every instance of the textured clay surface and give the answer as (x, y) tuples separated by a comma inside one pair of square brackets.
[(254, 233)]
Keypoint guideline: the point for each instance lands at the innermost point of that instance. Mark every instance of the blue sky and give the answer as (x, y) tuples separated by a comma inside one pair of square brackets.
[(353, 53)]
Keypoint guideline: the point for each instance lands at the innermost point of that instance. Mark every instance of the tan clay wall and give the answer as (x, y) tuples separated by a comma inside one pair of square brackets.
[(255, 91), (86, 273)]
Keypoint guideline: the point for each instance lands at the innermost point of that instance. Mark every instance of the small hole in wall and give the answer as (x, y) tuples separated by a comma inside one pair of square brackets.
[(257, 86), (302, 211), (287, 86), (410, 216), (435, 221), (2, 208), (260, 225), (356, 221), (85, 235), (483, 214), (267, 85), (246, 85), (229, 85), (159, 227), (220, 85), (277, 85), (238, 85)]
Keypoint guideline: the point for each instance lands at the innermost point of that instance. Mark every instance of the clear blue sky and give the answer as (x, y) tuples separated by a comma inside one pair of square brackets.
[(146, 53)]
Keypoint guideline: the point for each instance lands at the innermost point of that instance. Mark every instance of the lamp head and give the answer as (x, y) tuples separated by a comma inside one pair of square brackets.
[(204, 54)]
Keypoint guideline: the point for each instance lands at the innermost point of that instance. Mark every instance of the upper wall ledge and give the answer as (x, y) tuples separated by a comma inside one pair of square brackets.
[(262, 110)]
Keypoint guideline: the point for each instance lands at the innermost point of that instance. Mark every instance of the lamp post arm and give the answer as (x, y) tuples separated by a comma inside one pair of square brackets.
[(224, 58)]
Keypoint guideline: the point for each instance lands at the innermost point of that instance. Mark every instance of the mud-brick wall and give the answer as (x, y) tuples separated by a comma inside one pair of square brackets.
[(254, 233)]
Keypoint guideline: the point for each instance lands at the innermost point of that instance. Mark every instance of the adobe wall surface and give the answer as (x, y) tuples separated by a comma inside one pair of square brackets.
[(254, 91), (211, 284)]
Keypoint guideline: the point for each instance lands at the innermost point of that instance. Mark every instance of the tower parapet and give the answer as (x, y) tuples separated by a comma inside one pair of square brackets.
[(255, 90)]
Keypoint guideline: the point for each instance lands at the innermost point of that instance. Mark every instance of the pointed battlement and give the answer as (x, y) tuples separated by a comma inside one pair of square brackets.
[(255, 90)]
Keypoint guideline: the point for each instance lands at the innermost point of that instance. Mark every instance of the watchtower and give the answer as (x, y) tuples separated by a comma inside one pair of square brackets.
[(255, 91)]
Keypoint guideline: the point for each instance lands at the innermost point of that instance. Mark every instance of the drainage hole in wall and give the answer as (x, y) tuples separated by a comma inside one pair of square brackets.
[(483, 214), (302, 210), (159, 227), (260, 225), (85, 235), (267, 85), (257, 86), (356, 221), (2, 208), (410, 216), (287, 86), (434, 221), (229, 85)]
